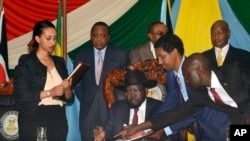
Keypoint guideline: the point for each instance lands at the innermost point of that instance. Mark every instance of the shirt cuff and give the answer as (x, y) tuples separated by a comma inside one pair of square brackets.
[(147, 130), (168, 131)]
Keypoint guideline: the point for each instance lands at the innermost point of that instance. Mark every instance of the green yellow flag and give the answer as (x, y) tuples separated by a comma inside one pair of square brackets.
[(59, 46), (194, 21)]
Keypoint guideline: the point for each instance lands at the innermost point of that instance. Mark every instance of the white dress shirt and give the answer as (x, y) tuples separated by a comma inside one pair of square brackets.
[(141, 113), (215, 83), (152, 49)]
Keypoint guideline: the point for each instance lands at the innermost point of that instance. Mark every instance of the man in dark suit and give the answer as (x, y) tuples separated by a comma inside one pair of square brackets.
[(121, 112), (170, 52), (102, 58), (220, 34), (231, 84), (147, 51)]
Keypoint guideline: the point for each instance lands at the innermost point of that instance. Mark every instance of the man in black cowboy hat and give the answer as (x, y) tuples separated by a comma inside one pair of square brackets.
[(122, 112)]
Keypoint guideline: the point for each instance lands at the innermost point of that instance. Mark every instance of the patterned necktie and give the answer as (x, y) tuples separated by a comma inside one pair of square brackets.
[(182, 133), (219, 58), (217, 97), (179, 89), (99, 67), (135, 117)]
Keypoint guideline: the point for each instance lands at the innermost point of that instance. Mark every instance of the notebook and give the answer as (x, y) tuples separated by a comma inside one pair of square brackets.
[(79, 70)]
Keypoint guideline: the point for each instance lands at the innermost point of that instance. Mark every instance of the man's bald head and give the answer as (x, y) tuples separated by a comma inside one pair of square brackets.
[(222, 24), (197, 59), (196, 70)]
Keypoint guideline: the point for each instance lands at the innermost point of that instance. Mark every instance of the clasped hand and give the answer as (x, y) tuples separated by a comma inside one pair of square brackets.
[(59, 90), (99, 133)]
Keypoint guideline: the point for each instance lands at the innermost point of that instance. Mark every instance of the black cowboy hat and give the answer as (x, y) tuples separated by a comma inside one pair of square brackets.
[(137, 77)]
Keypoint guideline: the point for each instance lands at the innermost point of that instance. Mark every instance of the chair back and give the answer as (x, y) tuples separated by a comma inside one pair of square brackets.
[(116, 77)]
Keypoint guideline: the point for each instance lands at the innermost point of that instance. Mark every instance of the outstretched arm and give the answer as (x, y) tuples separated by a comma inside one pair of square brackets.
[(134, 130)]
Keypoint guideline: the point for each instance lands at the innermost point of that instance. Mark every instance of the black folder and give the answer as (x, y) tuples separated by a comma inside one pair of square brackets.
[(79, 70)]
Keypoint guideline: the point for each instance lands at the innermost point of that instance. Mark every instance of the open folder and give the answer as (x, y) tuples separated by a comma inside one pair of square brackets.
[(79, 70)]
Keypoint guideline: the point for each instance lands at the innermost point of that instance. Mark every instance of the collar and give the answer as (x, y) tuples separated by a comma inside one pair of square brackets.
[(215, 83), (143, 105), (179, 72), (103, 51), (152, 49), (224, 49)]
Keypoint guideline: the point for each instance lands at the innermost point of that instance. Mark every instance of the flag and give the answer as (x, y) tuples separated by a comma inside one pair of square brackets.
[(169, 21), (165, 14), (3, 49), (194, 23), (72, 112), (59, 45)]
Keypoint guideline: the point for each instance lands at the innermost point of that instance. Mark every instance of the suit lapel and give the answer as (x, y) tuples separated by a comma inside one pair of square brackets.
[(148, 109), (91, 57), (223, 82), (229, 56), (107, 60), (213, 60), (125, 113), (233, 84)]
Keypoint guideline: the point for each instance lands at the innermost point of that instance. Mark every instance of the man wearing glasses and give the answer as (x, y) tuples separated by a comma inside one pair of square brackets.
[(147, 51)]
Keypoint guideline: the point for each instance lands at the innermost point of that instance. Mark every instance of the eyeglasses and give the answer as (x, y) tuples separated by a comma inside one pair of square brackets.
[(159, 33)]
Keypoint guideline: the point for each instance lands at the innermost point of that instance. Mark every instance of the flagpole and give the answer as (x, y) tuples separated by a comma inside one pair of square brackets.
[(64, 14), (1, 5)]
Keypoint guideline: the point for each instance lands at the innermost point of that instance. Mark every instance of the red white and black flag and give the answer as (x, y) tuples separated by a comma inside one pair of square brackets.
[(3, 49)]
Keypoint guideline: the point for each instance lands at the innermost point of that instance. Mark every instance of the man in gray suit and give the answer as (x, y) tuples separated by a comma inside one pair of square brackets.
[(102, 58), (147, 51)]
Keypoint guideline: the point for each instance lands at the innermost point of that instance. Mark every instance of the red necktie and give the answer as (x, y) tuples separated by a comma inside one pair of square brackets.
[(99, 67), (135, 117), (217, 97)]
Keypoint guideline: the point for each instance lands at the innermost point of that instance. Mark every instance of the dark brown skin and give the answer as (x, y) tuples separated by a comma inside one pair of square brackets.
[(220, 34), (100, 37)]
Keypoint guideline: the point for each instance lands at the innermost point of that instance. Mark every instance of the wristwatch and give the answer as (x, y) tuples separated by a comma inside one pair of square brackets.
[(47, 93)]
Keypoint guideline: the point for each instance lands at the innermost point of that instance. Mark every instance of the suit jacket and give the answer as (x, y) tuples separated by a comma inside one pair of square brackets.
[(210, 120), (119, 115), (233, 55), (234, 79), (141, 53), (29, 80), (92, 105)]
